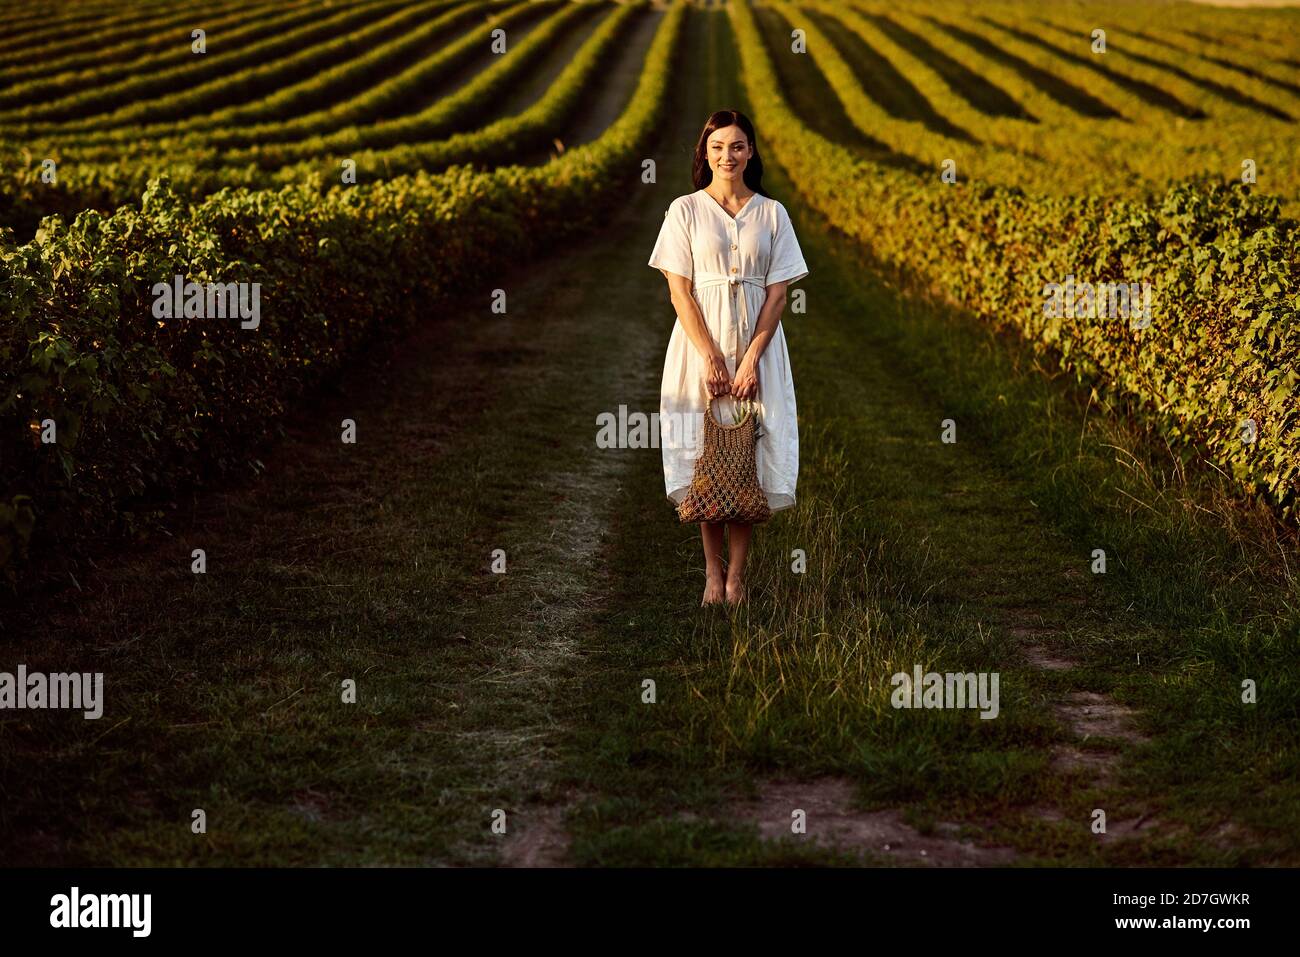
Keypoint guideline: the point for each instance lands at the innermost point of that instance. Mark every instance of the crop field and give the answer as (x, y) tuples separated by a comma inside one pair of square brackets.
[(1047, 359)]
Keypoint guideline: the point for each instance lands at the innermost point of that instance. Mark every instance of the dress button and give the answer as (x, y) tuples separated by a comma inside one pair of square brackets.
[(733, 245), (733, 268)]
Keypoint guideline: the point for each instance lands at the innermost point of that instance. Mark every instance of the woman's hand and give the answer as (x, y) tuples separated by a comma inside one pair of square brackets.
[(718, 379), (745, 385)]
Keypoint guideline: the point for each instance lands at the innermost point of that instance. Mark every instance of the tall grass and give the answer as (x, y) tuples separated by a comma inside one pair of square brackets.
[(800, 676)]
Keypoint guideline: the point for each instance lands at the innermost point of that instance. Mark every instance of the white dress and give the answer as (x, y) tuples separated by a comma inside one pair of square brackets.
[(730, 262)]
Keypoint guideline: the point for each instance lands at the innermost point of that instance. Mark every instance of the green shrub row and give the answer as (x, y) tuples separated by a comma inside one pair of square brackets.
[(80, 30), (241, 86), (102, 106), (128, 47), (143, 406), (1120, 157), (440, 118), (1223, 345), (24, 198), (328, 100)]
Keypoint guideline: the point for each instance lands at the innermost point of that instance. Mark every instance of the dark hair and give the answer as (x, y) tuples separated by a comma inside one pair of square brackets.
[(700, 171)]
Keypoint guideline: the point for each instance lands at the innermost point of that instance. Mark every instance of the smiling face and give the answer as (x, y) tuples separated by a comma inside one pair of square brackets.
[(728, 150)]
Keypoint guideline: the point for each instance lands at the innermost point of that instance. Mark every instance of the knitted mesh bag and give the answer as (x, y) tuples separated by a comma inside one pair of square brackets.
[(725, 485)]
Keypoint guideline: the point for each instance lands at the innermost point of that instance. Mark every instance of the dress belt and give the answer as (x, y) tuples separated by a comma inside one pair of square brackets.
[(706, 279)]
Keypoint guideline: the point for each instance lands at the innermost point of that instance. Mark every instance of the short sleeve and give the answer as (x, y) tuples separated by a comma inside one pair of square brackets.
[(786, 264), (673, 248)]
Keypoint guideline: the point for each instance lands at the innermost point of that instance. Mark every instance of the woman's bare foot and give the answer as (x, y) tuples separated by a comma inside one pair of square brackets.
[(714, 589), (735, 590)]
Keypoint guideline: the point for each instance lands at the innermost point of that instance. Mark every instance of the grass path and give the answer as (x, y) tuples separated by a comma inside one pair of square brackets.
[(523, 691)]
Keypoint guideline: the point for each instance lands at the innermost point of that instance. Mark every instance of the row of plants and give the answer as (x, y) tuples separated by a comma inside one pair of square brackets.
[(356, 90), (1037, 149), (104, 186), (295, 66), (442, 116), (40, 28), (26, 196), (906, 138), (1212, 77), (104, 105), (126, 46), (1217, 369), (1130, 72), (1273, 73), (1265, 33), (144, 405)]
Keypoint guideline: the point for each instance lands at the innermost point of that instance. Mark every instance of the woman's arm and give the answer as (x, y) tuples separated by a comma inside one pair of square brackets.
[(746, 383), (688, 311)]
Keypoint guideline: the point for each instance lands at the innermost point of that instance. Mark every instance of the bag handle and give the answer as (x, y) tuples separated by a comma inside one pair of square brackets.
[(709, 399)]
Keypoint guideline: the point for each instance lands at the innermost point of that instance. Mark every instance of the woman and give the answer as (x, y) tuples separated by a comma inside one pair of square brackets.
[(728, 252)]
